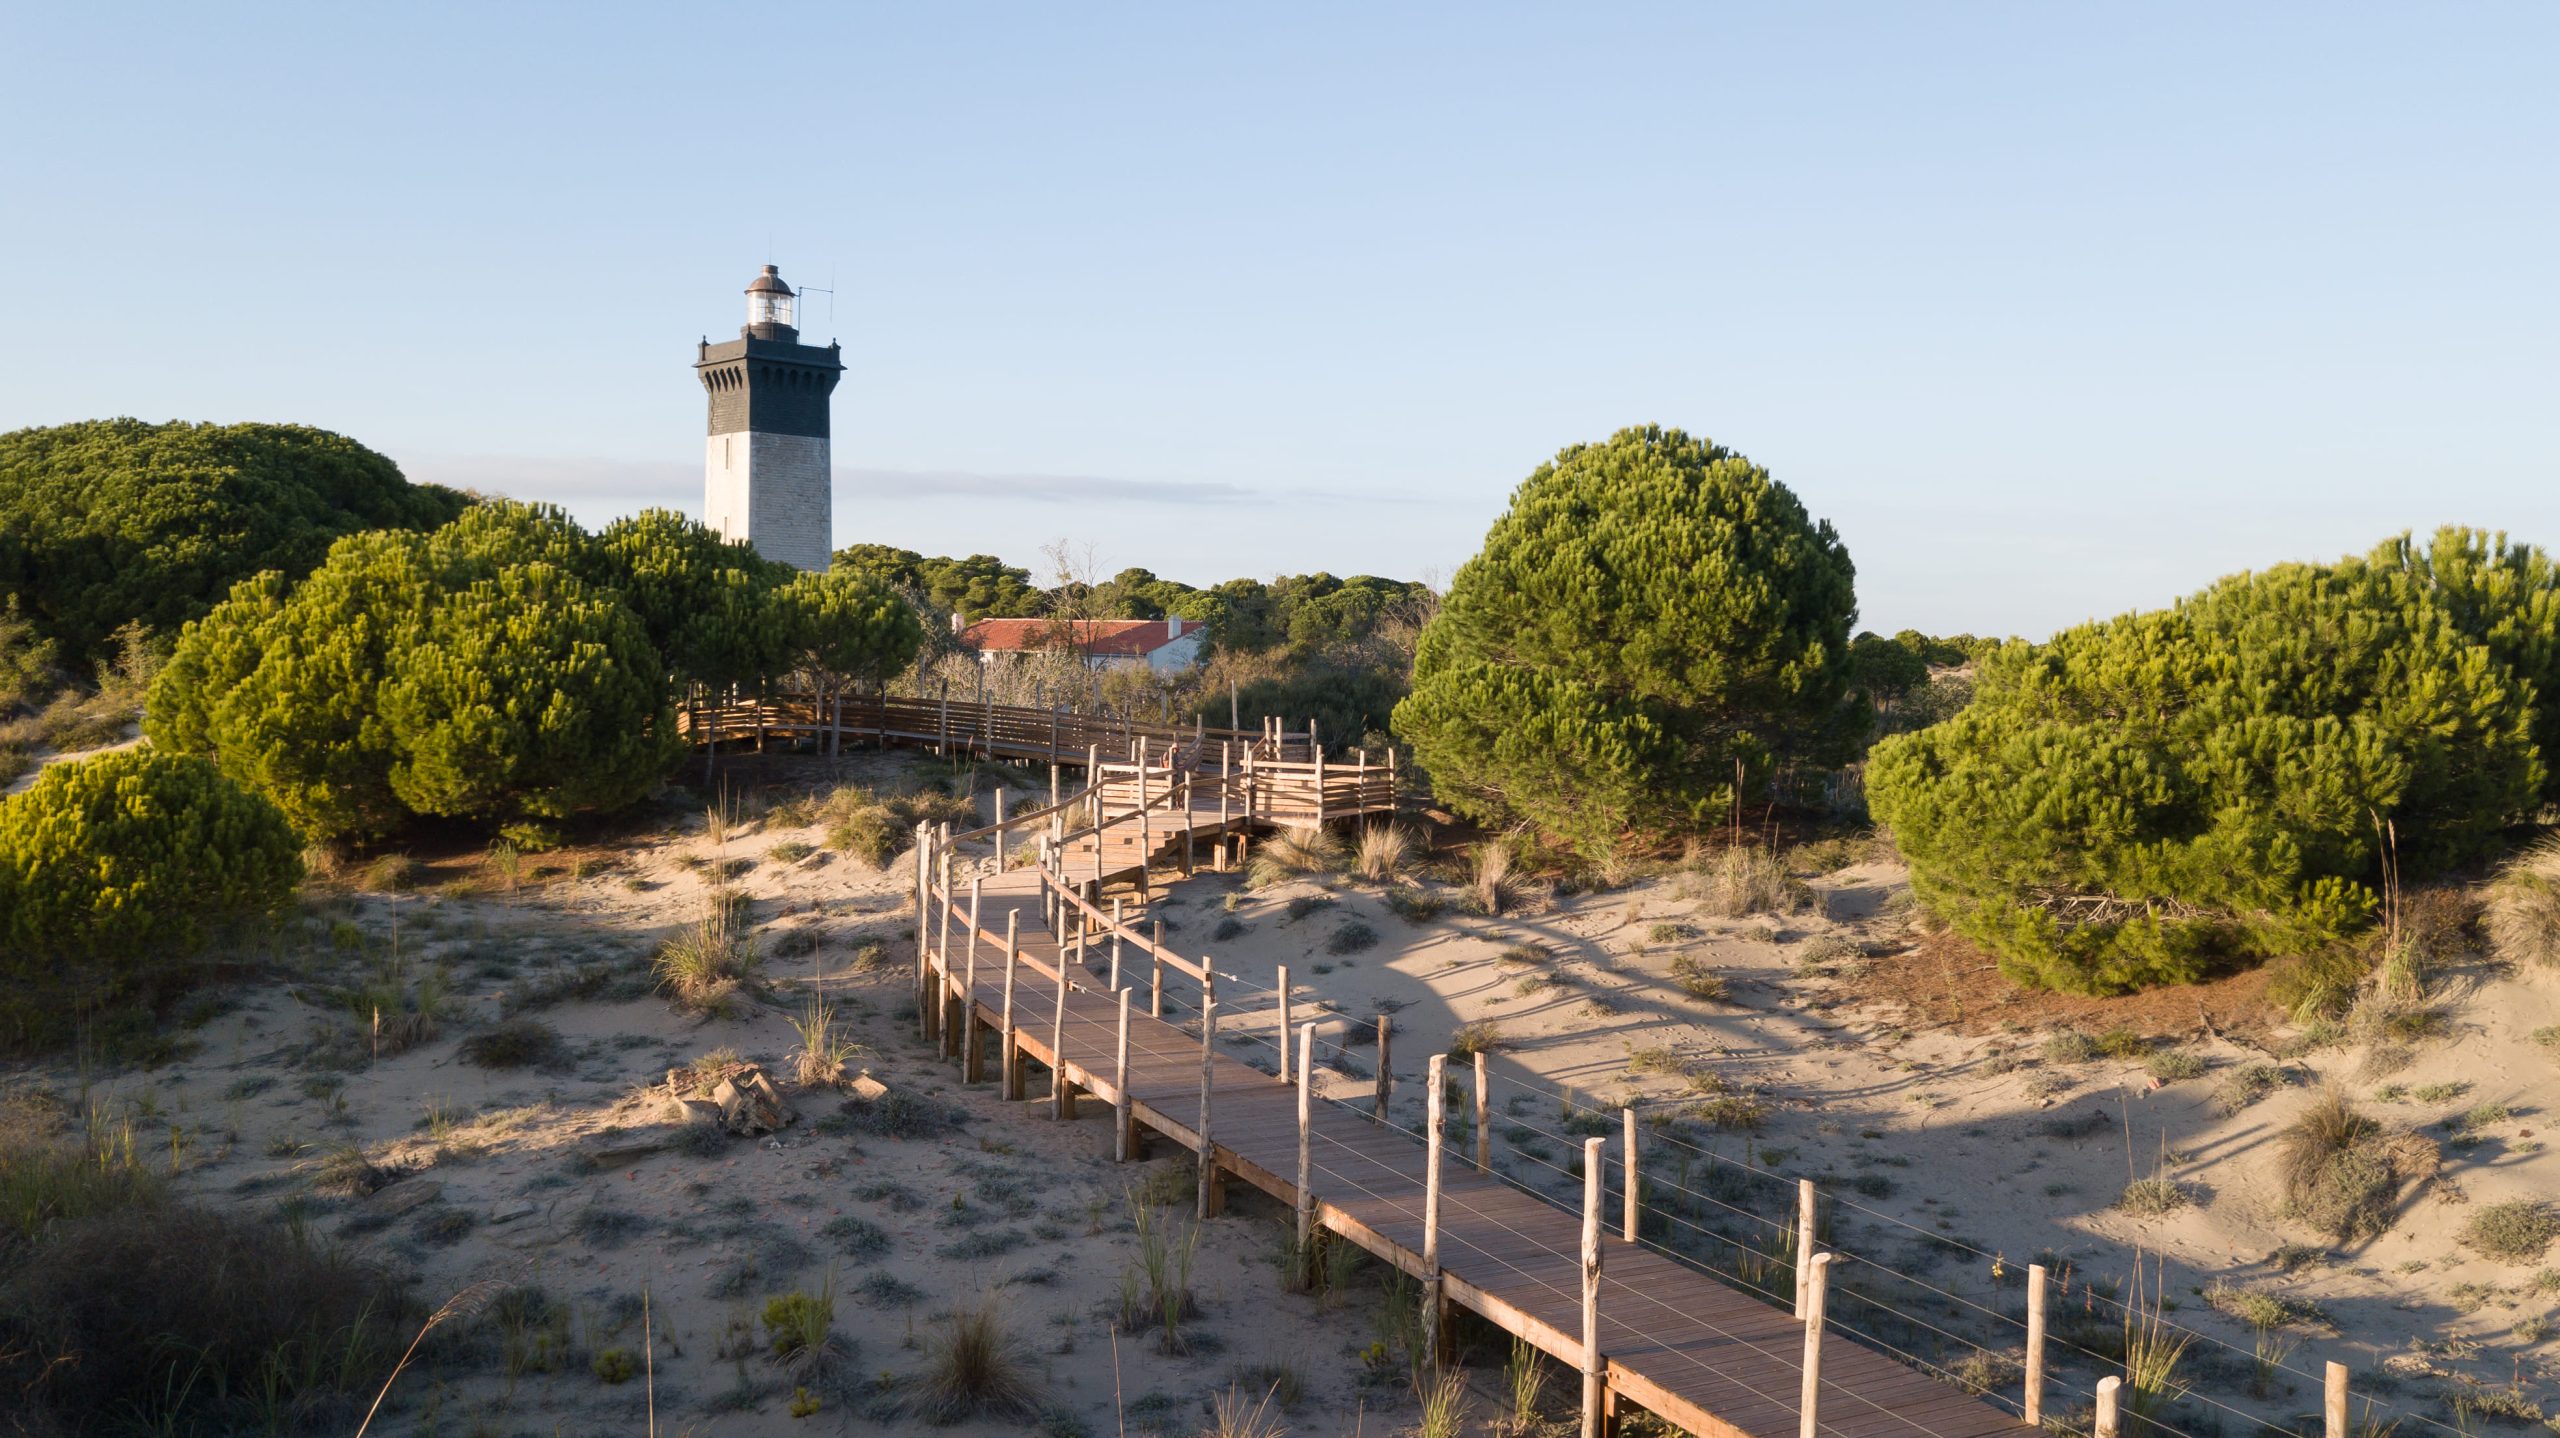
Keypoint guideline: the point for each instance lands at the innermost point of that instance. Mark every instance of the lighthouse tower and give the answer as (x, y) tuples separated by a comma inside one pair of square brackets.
[(765, 467)]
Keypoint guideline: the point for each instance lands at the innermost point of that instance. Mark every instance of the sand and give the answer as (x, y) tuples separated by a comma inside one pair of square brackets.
[(1942, 1143)]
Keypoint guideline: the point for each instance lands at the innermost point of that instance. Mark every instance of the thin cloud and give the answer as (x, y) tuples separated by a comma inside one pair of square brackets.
[(642, 484)]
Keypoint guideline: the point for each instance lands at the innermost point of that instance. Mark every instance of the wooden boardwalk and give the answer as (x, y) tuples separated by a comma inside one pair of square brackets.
[(1670, 1339)]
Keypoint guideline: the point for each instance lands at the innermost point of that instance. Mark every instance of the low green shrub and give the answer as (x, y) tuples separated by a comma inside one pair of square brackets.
[(115, 871)]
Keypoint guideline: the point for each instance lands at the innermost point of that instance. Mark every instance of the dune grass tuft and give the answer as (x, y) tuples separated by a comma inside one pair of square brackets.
[(2522, 920)]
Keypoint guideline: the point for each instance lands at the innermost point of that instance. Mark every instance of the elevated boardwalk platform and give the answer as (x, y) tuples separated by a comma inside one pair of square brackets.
[(1021, 965)]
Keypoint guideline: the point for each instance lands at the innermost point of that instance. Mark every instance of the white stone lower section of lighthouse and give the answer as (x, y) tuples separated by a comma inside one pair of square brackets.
[(773, 490)]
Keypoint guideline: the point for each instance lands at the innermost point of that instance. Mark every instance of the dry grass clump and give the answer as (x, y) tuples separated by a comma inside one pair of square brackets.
[(1294, 852), (2152, 1197), (975, 1367), (2321, 984), (1479, 1037), (1384, 850), (1698, 981), (123, 1311), (2342, 1171), (2522, 919), (1490, 887), (2516, 1232), (823, 1050), (705, 964), (514, 1044), (876, 828), (1740, 880), (1232, 1417)]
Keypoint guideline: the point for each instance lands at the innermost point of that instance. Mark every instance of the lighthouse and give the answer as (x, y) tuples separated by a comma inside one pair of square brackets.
[(765, 466)]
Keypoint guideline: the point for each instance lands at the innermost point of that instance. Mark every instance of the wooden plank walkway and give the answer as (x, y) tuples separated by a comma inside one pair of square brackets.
[(1685, 1347)]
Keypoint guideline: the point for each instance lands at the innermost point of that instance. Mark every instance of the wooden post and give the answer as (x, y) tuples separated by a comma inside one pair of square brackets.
[(1123, 1115), (1011, 1058), (1189, 840), (2032, 1408), (2333, 1400), (1053, 747), (1319, 758), (1386, 1070), (1116, 924), (1155, 974), (1062, 1099), (1146, 842), (1804, 1239), (999, 828), (942, 964), (1628, 1201), (1057, 818), (1208, 1156), (1282, 985), (1817, 1288), (1235, 716), (924, 928), (1306, 1163), (1226, 790), (942, 743), (1594, 1382), (1484, 1111), (2110, 1396), (1433, 1315), (973, 1062)]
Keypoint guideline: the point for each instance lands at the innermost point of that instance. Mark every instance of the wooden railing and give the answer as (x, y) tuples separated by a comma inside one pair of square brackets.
[(963, 727)]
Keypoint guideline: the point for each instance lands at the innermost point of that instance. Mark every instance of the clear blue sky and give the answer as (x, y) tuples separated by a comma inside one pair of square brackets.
[(2055, 310)]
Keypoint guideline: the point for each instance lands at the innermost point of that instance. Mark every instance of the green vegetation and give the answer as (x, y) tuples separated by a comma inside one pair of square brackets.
[(2515, 1232), (2342, 1172), (2522, 917), (121, 1310), (1652, 617), (117, 522), (507, 668), (115, 870), (2139, 800)]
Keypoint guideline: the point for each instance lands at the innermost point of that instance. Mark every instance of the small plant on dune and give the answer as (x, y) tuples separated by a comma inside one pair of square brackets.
[(1743, 879), (2152, 1197), (2514, 1232), (2321, 984), (975, 1367), (2342, 1172), (393, 874), (1524, 1379), (1698, 981), (2174, 1065), (704, 965), (2153, 1348), (615, 1365), (1158, 1290), (823, 1051), (801, 1328), (1444, 1404), (790, 851), (1490, 887), (514, 1044), (1232, 1417), (2522, 919), (1479, 1037), (1351, 937), (1383, 850), (2246, 1085), (506, 864), (1294, 852)]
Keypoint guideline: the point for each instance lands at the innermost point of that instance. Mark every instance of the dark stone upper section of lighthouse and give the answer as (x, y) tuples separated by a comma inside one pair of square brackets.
[(769, 385)]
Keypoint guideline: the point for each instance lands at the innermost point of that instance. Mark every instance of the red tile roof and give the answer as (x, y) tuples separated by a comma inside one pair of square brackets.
[(1110, 638)]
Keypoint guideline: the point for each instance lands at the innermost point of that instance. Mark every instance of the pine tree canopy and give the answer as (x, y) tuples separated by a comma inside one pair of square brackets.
[(111, 522), (1649, 614), (2143, 800)]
